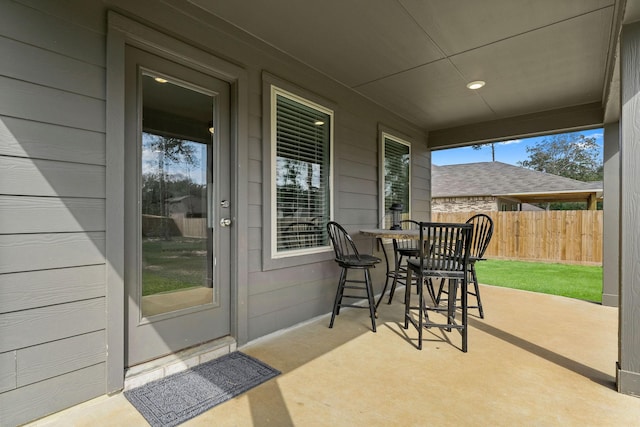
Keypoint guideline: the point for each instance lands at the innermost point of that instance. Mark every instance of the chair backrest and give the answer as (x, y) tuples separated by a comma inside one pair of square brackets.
[(407, 224), (481, 235), (343, 245), (302, 234), (445, 247)]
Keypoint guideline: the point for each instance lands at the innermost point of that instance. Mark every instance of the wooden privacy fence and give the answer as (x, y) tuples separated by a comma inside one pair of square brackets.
[(154, 226), (551, 236), (192, 227)]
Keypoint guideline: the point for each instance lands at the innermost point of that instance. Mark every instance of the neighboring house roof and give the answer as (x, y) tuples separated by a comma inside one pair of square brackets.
[(186, 204), (178, 199), (503, 180)]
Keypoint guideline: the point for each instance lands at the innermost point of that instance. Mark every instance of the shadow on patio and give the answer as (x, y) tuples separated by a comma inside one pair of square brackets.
[(535, 360)]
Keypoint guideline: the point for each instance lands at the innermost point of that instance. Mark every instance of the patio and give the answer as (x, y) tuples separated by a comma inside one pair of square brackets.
[(535, 360)]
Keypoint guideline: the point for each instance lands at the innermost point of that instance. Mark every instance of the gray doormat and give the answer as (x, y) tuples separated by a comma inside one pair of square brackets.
[(177, 398)]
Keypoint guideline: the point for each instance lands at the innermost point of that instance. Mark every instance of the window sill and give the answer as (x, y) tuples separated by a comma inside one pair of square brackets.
[(271, 263)]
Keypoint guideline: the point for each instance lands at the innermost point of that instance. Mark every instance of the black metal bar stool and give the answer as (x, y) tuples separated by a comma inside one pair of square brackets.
[(348, 257), (444, 254), (480, 238)]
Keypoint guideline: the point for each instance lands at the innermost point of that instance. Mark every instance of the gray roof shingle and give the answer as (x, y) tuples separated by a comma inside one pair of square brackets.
[(496, 178)]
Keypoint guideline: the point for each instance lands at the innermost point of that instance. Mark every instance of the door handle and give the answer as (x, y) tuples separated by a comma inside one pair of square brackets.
[(225, 222)]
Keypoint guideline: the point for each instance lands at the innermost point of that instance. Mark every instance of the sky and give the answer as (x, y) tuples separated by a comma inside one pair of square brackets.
[(510, 152)]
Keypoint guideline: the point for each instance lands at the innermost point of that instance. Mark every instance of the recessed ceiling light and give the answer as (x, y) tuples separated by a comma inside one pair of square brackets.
[(318, 123), (160, 80), (475, 85)]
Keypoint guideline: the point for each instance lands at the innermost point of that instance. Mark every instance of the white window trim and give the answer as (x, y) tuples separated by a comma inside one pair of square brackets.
[(275, 254), (384, 135)]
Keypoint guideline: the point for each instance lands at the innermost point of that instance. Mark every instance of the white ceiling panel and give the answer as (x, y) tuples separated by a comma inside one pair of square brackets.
[(433, 95), (344, 39), (535, 72), (415, 56), (461, 25)]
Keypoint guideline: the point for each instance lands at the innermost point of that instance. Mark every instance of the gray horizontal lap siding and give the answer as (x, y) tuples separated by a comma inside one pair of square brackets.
[(52, 191), (52, 213)]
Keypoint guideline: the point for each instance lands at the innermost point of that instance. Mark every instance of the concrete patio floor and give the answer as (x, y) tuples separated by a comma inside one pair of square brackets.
[(535, 360)]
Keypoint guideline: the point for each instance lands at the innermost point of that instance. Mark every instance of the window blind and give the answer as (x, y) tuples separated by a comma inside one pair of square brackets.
[(397, 157), (302, 175)]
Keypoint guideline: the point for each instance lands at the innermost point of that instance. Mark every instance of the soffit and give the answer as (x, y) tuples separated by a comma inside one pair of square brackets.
[(415, 57)]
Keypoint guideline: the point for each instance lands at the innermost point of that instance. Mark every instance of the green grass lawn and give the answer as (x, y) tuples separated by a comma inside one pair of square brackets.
[(180, 263), (574, 281), (171, 265)]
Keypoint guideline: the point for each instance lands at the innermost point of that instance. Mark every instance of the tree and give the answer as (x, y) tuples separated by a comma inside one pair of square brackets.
[(158, 184), (493, 149), (570, 155)]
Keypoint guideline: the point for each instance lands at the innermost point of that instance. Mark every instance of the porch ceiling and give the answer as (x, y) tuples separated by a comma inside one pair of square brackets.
[(415, 57)]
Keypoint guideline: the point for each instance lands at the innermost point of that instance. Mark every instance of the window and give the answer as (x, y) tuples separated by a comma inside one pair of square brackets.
[(397, 176), (301, 174)]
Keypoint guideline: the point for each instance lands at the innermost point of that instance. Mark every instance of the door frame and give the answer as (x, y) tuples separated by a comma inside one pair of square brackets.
[(123, 31), (154, 336)]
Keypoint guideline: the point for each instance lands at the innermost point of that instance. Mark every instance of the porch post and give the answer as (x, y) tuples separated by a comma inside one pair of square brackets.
[(611, 216), (628, 366)]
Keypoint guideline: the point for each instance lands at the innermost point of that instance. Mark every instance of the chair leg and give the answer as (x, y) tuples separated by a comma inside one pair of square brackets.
[(476, 292), (464, 299), (476, 289), (452, 294), (339, 293), (440, 291), (395, 278), (388, 272), (384, 289), (423, 309), (372, 304), (431, 290), (407, 299)]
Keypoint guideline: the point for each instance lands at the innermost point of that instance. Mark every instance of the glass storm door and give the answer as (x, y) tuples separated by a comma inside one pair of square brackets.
[(177, 236)]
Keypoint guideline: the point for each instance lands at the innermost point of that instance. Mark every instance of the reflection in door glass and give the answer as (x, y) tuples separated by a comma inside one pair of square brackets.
[(177, 250)]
